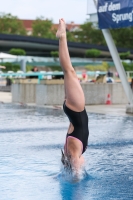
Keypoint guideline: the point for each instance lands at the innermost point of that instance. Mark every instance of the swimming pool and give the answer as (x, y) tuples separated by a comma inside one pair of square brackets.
[(30, 143)]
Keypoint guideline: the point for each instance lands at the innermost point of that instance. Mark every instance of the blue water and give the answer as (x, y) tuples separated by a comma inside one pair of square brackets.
[(30, 168)]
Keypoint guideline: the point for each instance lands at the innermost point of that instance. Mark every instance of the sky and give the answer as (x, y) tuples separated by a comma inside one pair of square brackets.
[(70, 10)]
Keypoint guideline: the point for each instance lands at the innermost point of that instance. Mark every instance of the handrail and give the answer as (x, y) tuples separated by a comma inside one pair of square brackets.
[(42, 74), (46, 73)]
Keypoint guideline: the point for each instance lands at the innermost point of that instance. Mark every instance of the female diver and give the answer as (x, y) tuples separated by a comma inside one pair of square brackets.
[(74, 107)]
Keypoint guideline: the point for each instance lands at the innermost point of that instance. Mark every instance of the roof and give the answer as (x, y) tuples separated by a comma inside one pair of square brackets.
[(42, 47), (27, 23), (70, 27)]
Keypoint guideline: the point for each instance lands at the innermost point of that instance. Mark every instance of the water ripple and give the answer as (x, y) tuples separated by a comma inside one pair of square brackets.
[(30, 167)]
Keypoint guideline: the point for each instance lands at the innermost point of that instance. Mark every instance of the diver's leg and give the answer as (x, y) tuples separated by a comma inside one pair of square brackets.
[(74, 93)]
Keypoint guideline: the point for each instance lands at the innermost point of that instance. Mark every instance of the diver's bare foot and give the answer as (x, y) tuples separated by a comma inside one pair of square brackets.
[(61, 32)]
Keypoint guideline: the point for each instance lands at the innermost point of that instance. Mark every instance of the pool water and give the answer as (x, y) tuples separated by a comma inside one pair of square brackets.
[(30, 167)]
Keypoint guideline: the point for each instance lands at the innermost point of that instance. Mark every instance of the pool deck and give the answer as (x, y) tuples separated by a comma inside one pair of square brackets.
[(120, 109), (5, 97)]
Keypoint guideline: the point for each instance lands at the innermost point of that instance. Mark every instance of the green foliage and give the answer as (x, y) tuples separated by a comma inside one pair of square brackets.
[(10, 67), (123, 37), (10, 24), (29, 68), (71, 36), (43, 28), (92, 53), (106, 66), (54, 54), (89, 34), (55, 68), (128, 66), (103, 67), (17, 52), (124, 55)]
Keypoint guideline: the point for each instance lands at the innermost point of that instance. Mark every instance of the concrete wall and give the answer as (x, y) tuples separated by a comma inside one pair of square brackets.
[(97, 93), (53, 94), (24, 93), (5, 88), (24, 90), (129, 109), (49, 94)]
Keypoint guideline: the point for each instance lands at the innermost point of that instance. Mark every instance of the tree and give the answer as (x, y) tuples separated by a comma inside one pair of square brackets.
[(92, 53), (43, 28), (55, 55), (19, 52), (11, 25), (89, 34), (11, 67), (124, 55), (123, 37), (103, 67), (71, 36), (128, 66)]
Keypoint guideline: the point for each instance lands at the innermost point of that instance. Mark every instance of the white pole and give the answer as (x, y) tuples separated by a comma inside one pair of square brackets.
[(23, 65), (117, 62)]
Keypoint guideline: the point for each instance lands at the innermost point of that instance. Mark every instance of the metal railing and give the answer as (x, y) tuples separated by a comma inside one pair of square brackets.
[(42, 75), (129, 74)]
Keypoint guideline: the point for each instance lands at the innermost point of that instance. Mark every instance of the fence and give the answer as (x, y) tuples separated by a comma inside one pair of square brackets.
[(43, 75), (129, 74)]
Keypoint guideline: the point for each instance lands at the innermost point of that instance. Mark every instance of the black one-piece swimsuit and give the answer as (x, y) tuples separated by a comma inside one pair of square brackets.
[(79, 121)]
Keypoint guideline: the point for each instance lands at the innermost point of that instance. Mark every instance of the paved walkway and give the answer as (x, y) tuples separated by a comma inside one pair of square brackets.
[(5, 97), (103, 109), (108, 109)]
